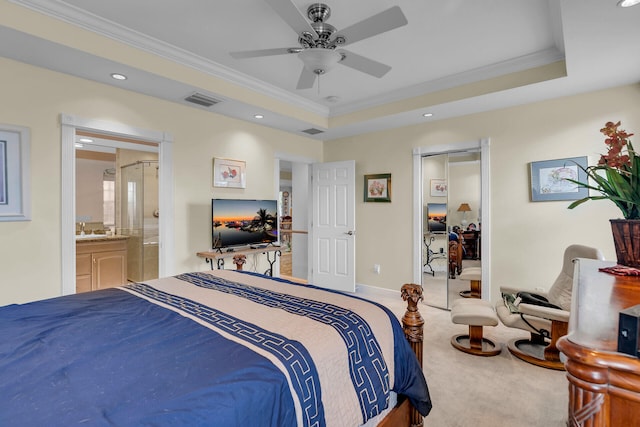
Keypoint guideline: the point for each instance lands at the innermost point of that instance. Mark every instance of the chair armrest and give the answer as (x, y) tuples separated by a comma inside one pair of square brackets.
[(510, 290), (544, 312)]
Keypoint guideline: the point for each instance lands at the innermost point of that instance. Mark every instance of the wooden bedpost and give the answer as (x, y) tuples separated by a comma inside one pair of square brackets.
[(413, 326)]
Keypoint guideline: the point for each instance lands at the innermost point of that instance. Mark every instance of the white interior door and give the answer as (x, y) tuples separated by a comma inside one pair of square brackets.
[(333, 225)]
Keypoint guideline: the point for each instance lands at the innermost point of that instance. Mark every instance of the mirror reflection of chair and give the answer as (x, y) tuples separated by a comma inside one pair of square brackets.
[(455, 259), (456, 252), (474, 276), (546, 321)]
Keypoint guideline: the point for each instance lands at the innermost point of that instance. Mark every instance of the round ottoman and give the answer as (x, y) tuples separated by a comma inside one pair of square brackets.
[(476, 313)]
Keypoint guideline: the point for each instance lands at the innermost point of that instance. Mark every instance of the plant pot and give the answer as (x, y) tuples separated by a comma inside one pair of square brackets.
[(626, 239)]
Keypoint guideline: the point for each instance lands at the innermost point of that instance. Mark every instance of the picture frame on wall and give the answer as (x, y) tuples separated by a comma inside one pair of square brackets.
[(15, 184), (436, 217), (438, 187), (377, 187), (549, 179), (229, 173)]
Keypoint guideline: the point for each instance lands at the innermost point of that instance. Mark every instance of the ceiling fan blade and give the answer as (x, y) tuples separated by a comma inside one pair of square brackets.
[(262, 52), (307, 79), (366, 65), (384, 21), (291, 15)]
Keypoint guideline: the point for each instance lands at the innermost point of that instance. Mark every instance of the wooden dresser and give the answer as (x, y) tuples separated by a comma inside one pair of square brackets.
[(604, 385)]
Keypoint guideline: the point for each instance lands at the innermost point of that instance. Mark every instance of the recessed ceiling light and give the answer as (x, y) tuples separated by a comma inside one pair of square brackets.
[(118, 76), (427, 115), (85, 140), (258, 116), (628, 3)]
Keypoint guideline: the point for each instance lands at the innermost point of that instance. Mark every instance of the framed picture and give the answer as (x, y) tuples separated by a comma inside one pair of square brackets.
[(436, 217), (15, 189), (229, 173), (438, 188), (377, 188), (549, 179)]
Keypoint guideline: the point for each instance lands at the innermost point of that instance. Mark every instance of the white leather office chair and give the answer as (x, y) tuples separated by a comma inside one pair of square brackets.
[(546, 321)]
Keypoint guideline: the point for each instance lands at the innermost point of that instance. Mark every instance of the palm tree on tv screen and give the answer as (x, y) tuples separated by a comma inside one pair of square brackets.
[(265, 223)]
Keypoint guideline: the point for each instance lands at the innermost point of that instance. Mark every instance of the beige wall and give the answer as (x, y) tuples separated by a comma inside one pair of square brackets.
[(528, 239), (30, 253)]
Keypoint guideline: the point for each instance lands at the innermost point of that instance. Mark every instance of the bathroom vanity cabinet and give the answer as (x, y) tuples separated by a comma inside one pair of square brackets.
[(101, 263)]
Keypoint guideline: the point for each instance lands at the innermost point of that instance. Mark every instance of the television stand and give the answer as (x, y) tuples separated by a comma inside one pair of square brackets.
[(219, 256)]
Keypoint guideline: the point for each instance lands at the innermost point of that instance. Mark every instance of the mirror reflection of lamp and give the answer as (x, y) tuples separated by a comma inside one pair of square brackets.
[(464, 208)]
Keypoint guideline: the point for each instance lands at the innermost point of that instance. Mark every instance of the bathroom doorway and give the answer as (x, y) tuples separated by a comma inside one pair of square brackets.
[(122, 136), (117, 192)]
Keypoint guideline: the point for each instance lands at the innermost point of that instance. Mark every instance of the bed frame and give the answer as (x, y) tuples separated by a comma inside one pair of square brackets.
[(404, 414)]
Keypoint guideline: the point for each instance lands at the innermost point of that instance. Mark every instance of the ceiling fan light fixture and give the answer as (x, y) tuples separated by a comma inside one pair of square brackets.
[(319, 60), (628, 3)]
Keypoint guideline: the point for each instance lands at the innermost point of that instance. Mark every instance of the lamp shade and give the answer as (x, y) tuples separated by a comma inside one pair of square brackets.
[(464, 207), (319, 60)]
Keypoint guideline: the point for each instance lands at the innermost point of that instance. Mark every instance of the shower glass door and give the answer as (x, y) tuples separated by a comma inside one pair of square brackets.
[(139, 216)]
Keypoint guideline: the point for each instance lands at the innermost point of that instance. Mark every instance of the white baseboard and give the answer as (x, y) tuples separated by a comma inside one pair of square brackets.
[(374, 290)]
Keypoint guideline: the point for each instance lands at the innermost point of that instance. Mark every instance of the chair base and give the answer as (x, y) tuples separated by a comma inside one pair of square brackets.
[(534, 353), (469, 294), (483, 347)]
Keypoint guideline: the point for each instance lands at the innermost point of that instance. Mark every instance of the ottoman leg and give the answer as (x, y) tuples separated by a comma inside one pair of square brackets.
[(474, 343), (475, 337)]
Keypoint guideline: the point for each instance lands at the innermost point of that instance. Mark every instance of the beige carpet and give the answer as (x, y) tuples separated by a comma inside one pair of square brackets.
[(478, 391), (439, 289)]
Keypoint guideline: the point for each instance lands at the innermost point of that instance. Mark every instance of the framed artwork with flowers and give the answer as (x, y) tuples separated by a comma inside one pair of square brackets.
[(438, 187), (377, 187), (552, 179), (229, 173)]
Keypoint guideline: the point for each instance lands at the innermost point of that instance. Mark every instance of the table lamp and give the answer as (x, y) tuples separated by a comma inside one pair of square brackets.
[(464, 208)]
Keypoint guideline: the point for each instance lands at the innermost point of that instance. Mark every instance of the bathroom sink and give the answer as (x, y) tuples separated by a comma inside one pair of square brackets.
[(91, 236)]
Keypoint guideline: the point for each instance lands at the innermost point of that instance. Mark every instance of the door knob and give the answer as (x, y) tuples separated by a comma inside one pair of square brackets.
[(350, 232)]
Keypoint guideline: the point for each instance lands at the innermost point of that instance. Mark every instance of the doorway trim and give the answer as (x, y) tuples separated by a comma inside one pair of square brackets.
[(418, 153), (293, 158), (69, 125)]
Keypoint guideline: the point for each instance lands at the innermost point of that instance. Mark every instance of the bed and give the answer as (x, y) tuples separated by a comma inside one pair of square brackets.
[(216, 348)]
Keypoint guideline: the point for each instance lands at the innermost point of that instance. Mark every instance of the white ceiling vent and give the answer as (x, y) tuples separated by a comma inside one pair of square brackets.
[(313, 131), (200, 99)]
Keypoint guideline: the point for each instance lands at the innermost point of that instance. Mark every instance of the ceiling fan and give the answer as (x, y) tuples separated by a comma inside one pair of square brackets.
[(319, 41)]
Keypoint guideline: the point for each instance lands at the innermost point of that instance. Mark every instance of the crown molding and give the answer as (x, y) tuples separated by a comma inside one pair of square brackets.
[(536, 59), (80, 18)]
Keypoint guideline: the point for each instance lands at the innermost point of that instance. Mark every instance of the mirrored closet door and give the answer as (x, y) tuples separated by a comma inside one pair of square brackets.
[(451, 229)]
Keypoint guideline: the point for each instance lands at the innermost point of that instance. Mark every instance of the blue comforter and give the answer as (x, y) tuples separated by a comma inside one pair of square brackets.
[(176, 352)]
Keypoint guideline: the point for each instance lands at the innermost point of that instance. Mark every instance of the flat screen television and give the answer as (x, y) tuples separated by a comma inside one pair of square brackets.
[(237, 222)]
